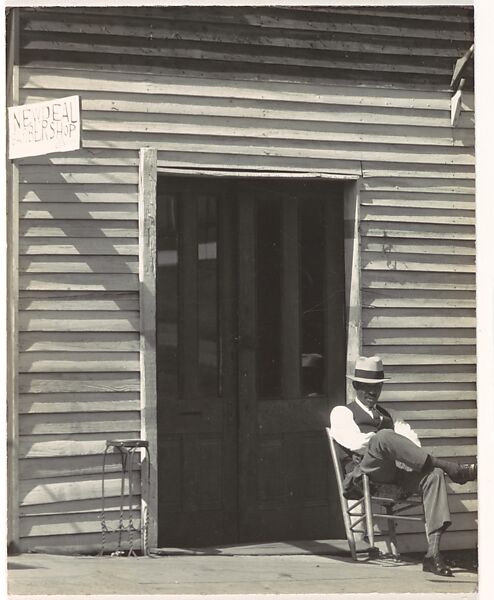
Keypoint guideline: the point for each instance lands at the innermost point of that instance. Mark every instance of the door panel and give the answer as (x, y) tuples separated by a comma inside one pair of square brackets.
[(251, 358), (202, 463), (286, 398), (197, 437)]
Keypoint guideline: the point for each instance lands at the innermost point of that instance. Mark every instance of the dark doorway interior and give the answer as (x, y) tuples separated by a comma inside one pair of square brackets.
[(250, 358)]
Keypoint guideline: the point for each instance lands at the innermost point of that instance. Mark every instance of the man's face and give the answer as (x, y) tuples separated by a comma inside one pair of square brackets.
[(368, 393)]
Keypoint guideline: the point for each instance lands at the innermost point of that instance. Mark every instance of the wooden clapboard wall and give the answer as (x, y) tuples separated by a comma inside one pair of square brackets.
[(352, 91)]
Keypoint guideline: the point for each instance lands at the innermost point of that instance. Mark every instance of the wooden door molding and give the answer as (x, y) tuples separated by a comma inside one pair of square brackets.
[(247, 364), (12, 181), (353, 291), (147, 310)]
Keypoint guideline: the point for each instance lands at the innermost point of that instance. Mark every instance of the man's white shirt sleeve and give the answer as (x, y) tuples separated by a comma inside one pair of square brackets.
[(346, 432)]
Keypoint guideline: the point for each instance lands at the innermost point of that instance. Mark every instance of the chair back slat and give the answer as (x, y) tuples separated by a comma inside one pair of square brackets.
[(343, 501), (338, 469)]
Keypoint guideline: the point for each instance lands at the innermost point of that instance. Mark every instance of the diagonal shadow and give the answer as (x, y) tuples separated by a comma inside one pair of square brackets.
[(78, 296)]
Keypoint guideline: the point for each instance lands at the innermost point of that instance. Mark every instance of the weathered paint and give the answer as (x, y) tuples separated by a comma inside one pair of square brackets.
[(272, 90)]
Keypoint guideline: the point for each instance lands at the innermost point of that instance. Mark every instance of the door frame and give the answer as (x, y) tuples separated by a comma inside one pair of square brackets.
[(12, 296), (148, 174)]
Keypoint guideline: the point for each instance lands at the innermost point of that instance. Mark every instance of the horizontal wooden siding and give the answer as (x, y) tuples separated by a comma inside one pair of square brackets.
[(414, 45), (79, 362)]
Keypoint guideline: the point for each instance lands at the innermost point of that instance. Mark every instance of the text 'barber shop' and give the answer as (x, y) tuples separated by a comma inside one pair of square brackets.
[(43, 127)]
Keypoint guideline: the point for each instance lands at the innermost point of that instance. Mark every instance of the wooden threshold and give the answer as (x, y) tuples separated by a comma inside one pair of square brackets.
[(296, 547)]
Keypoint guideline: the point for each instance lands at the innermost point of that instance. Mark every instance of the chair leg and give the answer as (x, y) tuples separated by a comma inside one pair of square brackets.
[(368, 510), (392, 541), (350, 536), (353, 546)]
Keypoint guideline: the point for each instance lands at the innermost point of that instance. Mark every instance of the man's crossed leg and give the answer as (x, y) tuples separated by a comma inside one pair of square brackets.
[(426, 477)]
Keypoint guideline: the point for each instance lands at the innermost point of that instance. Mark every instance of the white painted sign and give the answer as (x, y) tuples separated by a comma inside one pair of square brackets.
[(44, 127)]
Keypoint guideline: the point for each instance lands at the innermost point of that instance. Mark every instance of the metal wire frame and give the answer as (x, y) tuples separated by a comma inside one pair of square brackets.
[(127, 449)]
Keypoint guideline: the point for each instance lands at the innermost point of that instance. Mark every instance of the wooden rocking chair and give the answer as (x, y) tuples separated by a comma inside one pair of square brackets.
[(362, 511)]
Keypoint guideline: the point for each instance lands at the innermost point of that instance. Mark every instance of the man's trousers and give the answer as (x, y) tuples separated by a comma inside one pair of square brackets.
[(378, 462)]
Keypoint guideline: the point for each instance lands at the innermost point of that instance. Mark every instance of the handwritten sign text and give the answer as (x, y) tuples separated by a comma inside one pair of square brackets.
[(44, 127)]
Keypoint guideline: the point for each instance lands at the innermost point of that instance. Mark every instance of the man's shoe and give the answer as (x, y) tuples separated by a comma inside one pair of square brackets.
[(437, 566), (465, 473)]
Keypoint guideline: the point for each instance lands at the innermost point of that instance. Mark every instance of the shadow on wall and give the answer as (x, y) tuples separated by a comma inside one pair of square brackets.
[(79, 335)]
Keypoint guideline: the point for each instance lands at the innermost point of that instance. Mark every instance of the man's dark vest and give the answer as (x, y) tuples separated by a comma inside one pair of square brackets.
[(366, 423)]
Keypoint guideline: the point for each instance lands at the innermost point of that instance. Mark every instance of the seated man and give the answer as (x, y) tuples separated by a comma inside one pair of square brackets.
[(376, 441)]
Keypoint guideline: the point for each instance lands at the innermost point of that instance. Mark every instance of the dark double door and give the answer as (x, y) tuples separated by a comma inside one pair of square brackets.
[(250, 358)]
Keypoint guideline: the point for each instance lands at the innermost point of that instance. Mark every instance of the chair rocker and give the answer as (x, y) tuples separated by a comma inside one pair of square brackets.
[(362, 512)]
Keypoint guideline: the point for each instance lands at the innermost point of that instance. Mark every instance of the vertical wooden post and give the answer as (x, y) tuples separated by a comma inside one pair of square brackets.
[(227, 326), (353, 293), (334, 301), (352, 277), (147, 308), (12, 172), (188, 290), (247, 378), (290, 301)]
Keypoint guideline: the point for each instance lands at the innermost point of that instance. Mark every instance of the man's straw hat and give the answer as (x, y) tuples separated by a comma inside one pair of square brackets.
[(368, 370)]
